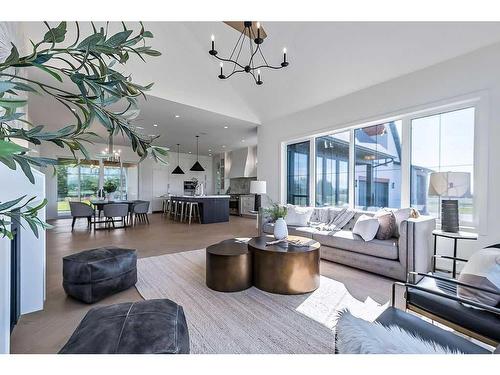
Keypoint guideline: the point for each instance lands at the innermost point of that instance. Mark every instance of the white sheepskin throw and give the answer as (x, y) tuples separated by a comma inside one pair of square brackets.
[(357, 336)]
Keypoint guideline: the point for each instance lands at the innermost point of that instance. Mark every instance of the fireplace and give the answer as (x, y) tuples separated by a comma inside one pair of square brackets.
[(15, 274)]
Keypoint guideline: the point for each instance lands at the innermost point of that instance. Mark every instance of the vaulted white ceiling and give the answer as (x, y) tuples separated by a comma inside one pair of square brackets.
[(327, 60)]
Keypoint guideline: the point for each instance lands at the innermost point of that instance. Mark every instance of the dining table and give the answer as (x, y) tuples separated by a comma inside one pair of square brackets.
[(99, 204)]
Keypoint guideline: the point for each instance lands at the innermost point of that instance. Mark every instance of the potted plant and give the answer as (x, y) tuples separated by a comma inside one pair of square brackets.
[(110, 187), (277, 213)]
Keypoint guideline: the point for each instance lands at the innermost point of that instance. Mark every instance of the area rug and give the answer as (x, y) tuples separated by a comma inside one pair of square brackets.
[(251, 321)]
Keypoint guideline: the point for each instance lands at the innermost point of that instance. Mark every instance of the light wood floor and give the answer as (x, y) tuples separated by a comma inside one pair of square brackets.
[(47, 331)]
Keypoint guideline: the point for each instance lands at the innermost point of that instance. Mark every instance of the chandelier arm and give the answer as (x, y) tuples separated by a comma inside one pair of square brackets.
[(268, 66), (234, 72), (229, 61)]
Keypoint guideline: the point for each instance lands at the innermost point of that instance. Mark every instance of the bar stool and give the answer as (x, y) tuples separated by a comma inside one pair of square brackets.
[(192, 209), (179, 210)]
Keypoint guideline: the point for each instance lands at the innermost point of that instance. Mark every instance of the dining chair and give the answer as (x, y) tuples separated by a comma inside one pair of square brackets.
[(81, 210), (140, 210), (112, 210)]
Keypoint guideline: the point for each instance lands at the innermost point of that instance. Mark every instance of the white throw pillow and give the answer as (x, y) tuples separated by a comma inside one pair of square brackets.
[(357, 336), (481, 270), (298, 216), (366, 227), (401, 215)]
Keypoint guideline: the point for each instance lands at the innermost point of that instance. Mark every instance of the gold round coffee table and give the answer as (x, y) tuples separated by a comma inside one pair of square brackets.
[(229, 266), (284, 268)]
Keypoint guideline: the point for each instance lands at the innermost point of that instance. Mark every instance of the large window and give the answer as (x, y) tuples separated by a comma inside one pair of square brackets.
[(442, 143), (298, 173), (80, 182), (388, 164), (378, 166), (332, 169)]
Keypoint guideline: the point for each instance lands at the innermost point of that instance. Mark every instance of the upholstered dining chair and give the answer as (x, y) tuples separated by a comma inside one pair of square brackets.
[(112, 210), (140, 210), (81, 210)]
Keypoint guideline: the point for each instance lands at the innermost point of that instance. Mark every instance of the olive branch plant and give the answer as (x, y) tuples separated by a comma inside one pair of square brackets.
[(98, 93)]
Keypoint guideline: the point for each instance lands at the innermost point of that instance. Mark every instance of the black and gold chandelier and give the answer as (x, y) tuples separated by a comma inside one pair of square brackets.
[(257, 60)]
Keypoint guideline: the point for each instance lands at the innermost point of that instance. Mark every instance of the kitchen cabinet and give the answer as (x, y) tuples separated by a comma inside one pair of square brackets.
[(247, 204)]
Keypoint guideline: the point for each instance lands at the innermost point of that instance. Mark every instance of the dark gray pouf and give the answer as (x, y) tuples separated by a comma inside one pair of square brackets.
[(155, 326), (91, 275)]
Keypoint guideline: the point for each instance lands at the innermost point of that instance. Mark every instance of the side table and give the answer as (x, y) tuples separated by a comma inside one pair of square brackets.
[(455, 237)]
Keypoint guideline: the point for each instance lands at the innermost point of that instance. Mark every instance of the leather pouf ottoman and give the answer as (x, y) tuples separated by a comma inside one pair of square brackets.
[(155, 326), (91, 275)]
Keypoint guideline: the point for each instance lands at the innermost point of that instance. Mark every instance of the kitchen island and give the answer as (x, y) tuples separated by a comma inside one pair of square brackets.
[(213, 208)]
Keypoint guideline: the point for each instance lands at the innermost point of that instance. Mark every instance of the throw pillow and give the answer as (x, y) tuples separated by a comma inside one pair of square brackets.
[(387, 224), (298, 216), (482, 270), (366, 227), (358, 336), (403, 214)]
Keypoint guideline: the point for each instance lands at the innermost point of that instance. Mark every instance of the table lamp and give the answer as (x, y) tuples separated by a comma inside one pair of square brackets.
[(257, 188), (449, 185)]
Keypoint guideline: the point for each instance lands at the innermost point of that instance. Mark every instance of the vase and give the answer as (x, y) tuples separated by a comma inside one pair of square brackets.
[(111, 196), (280, 229)]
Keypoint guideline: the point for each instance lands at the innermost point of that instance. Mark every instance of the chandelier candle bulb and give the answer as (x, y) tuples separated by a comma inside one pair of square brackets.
[(213, 42)]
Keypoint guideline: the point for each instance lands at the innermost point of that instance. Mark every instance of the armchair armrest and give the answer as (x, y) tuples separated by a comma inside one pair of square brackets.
[(479, 305), (415, 244), (456, 282), (450, 258)]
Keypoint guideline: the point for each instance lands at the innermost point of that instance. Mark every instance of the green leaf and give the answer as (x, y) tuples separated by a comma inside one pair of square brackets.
[(118, 38), (90, 41), (147, 34), (5, 206), (13, 58), (25, 168), (12, 102), (10, 148), (51, 72), (56, 35), (5, 86)]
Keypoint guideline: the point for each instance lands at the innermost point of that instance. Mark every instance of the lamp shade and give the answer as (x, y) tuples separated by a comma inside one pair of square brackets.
[(449, 184), (257, 187)]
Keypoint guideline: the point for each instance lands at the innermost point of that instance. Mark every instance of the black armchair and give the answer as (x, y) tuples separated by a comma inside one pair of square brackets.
[(435, 297)]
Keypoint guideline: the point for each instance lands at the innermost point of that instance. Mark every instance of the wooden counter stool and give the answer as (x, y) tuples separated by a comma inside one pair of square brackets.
[(192, 210)]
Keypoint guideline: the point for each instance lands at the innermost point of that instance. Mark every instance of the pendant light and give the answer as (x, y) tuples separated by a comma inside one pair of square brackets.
[(197, 166), (178, 169)]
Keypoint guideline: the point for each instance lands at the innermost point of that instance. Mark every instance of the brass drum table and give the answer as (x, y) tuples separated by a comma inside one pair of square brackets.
[(229, 266), (284, 268)]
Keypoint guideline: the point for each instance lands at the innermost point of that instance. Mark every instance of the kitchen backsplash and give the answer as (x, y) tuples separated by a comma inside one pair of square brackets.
[(241, 185)]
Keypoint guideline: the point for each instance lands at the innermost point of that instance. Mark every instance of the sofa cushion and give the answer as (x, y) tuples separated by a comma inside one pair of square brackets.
[(346, 240), (321, 215), (297, 215), (366, 227), (293, 230)]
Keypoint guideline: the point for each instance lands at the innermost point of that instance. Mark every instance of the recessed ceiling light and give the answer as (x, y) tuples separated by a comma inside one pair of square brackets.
[(155, 125), (209, 154), (177, 116), (189, 152), (242, 140), (223, 146), (225, 127), (209, 150), (139, 127)]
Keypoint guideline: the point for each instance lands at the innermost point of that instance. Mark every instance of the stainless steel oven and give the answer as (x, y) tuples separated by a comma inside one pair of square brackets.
[(189, 187)]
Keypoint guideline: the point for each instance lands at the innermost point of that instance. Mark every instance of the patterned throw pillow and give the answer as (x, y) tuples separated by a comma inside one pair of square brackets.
[(387, 224)]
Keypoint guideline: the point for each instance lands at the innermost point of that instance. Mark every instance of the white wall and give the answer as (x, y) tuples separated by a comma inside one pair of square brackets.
[(472, 75), (155, 179)]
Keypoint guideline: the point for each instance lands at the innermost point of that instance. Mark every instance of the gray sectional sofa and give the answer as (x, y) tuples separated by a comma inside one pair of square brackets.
[(394, 258)]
